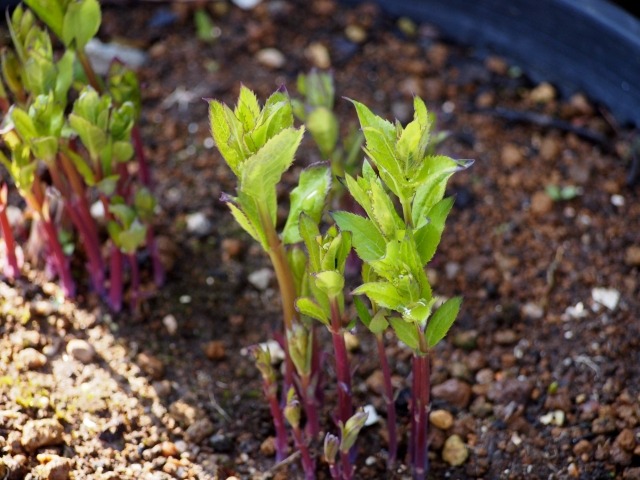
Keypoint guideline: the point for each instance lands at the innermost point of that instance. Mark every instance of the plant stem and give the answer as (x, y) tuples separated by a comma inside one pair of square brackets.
[(59, 259), (158, 268), (419, 415), (347, 467), (88, 70), (143, 165), (308, 390), (343, 372), (282, 443), (115, 279), (134, 287), (308, 465), (11, 267), (388, 399)]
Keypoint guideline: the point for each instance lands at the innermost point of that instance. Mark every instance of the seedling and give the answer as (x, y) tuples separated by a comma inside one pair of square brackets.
[(259, 144), (63, 158), (396, 247)]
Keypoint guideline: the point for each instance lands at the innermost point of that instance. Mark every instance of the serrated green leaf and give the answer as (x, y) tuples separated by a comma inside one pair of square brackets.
[(324, 128), (246, 224), (383, 211), (330, 282), (51, 12), (309, 232), (263, 170), (92, 137), (367, 240), (226, 131), (45, 148), (24, 124), (306, 306), (247, 110), (363, 311), (308, 197), (427, 238), (81, 22), (378, 323), (406, 332), (382, 293), (130, 239), (441, 321)]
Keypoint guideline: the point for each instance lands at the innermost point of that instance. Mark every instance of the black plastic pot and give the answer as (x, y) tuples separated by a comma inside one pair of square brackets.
[(580, 45)]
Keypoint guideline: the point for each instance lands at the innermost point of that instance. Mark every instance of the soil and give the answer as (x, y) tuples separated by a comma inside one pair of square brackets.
[(540, 373)]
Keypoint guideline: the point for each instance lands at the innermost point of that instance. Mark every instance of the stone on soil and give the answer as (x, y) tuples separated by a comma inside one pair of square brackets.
[(151, 365), (41, 433), (455, 392), (55, 468), (455, 452), (609, 297), (441, 419), (199, 430), (632, 256), (271, 58), (261, 278), (81, 350), (541, 203), (214, 350), (31, 359), (199, 224)]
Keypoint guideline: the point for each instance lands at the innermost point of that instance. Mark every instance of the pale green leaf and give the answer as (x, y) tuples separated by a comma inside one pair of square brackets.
[(308, 197), (244, 222), (378, 323), (367, 240), (330, 282), (247, 110), (51, 12), (428, 237), (308, 307), (441, 321), (309, 232), (222, 134), (406, 332), (324, 128), (81, 22), (382, 293)]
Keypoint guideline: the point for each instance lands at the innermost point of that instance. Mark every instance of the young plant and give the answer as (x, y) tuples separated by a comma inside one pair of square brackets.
[(78, 154), (13, 254), (395, 247)]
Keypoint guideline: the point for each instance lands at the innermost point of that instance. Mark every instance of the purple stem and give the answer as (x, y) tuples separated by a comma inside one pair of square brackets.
[(91, 246), (419, 411), (135, 281), (60, 260), (145, 174), (11, 267), (308, 388), (115, 278), (347, 466), (282, 444), (343, 372), (388, 399), (308, 465), (158, 269)]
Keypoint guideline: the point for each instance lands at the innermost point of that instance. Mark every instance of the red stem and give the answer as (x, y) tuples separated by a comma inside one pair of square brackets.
[(282, 444), (158, 268), (419, 415), (308, 465), (135, 282), (388, 399), (143, 165), (115, 279), (11, 268), (59, 259), (308, 390), (343, 372)]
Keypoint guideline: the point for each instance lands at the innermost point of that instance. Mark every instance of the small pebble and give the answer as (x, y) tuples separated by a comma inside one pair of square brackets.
[(271, 58), (532, 311), (81, 350), (261, 278), (541, 203), (54, 468), (351, 342), (31, 359), (626, 440), (199, 430), (221, 443), (184, 413), (214, 350), (573, 470), (553, 418), (151, 365), (455, 392), (632, 256), (355, 33), (41, 433), (171, 324), (543, 93), (169, 449), (268, 446), (318, 55), (455, 452), (441, 419), (511, 155), (609, 297), (231, 248), (198, 224), (372, 415)]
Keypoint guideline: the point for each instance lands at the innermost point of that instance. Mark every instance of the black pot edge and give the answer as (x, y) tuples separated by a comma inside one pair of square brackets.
[(591, 46)]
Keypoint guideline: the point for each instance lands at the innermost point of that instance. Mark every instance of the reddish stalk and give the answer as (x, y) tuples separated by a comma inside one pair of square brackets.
[(12, 265), (60, 261), (388, 399), (282, 443), (156, 263), (135, 282), (143, 165), (419, 415), (343, 372), (115, 279), (308, 465)]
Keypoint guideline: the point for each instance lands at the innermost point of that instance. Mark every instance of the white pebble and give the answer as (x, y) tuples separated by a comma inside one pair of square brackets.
[(271, 57), (261, 278), (609, 297), (199, 224), (171, 324), (372, 415)]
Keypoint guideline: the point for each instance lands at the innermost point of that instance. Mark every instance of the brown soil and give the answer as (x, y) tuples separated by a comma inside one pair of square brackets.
[(542, 380)]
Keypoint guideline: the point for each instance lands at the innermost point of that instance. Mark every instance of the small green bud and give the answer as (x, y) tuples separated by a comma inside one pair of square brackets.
[(292, 409), (263, 363), (351, 430), (331, 448), (300, 348)]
